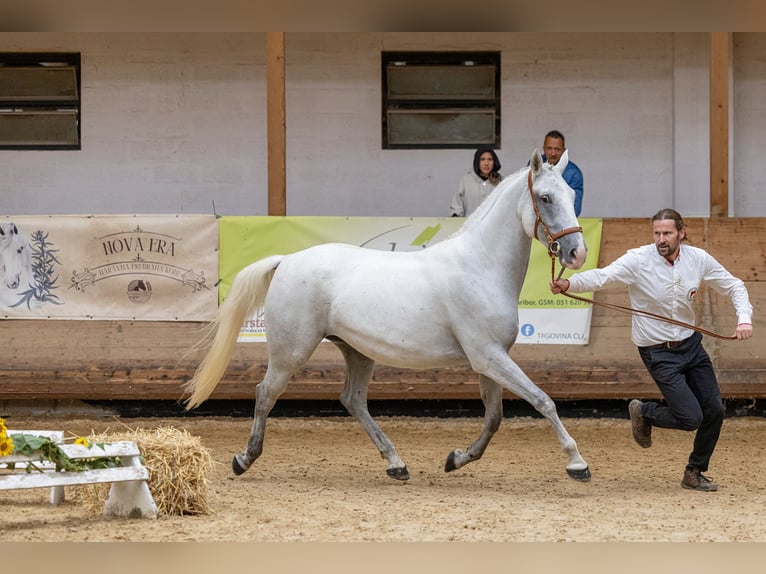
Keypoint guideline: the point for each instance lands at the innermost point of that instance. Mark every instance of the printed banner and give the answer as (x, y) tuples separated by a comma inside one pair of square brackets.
[(550, 319), (139, 267), (544, 318)]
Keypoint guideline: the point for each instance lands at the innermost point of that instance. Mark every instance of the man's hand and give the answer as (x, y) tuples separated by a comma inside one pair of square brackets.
[(744, 331), (559, 286)]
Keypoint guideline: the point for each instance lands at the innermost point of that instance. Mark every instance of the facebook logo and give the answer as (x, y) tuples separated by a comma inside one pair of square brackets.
[(527, 329)]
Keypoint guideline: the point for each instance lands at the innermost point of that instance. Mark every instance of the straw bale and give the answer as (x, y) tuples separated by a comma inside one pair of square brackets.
[(178, 468)]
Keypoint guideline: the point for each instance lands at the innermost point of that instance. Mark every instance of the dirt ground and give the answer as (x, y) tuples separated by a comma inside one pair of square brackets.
[(321, 480)]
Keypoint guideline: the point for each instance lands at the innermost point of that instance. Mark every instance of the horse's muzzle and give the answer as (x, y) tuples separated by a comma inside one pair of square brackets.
[(572, 251)]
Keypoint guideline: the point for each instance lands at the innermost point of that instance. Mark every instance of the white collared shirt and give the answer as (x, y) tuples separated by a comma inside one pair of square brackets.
[(666, 289)]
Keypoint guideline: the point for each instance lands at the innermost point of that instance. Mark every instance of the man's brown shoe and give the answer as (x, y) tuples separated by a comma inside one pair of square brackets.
[(695, 480), (642, 430)]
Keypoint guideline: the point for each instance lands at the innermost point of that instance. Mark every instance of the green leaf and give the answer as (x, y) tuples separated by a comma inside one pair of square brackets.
[(28, 443), (46, 449)]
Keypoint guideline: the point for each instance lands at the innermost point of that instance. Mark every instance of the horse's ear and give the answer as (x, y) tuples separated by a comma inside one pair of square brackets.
[(563, 162), (536, 163)]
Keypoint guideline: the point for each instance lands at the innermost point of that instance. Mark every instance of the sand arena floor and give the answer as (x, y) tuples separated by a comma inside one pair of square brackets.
[(322, 480)]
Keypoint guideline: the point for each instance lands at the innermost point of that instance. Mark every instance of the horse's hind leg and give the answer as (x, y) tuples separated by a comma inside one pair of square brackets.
[(267, 392), (492, 397), (354, 398)]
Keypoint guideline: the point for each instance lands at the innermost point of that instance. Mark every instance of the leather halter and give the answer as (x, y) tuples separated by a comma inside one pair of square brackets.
[(552, 238)]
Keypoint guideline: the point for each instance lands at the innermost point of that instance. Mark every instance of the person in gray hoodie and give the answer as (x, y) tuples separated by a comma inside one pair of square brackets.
[(478, 183)]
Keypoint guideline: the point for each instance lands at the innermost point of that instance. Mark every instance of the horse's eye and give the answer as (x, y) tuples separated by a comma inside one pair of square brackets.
[(546, 198)]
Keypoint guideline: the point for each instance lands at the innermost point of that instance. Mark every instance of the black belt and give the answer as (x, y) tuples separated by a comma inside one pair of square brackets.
[(665, 345)]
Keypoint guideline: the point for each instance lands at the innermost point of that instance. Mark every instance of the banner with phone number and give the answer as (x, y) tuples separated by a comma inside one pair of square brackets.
[(543, 318)]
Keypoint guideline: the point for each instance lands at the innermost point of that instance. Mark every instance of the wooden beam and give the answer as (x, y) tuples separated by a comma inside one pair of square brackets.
[(719, 124), (275, 127), (325, 382)]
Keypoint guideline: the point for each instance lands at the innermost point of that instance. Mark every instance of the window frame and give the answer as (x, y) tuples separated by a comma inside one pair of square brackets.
[(35, 105), (440, 104)]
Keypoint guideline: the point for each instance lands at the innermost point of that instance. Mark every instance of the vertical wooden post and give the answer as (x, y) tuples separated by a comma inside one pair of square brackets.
[(719, 124), (275, 126)]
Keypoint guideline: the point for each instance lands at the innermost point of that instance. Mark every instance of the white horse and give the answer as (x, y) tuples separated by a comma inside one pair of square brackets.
[(15, 263), (452, 304)]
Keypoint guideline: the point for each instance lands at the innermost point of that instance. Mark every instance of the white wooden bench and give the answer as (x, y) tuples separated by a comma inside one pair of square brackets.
[(129, 495), (57, 436)]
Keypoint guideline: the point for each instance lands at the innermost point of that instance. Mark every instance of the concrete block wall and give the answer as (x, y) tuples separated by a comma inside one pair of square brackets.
[(173, 123), (170, 124)]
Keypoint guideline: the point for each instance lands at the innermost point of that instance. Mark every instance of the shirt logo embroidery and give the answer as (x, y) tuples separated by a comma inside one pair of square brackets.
[(691, 294)]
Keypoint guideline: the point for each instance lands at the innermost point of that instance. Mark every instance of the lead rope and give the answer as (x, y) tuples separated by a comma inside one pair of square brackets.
[(630, 310)]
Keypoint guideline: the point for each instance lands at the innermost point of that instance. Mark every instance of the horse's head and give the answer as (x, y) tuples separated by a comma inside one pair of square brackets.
[(15, 257), (550, 215)]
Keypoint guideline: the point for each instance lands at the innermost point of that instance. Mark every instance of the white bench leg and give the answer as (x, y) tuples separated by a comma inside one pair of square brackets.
[(130, 499), (57, 495)]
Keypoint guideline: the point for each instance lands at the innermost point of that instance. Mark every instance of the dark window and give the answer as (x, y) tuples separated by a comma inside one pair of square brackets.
[(440, 99), (39, 101)]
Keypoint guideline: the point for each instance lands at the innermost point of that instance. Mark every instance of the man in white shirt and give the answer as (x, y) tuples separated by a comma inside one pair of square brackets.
[(663, 278)]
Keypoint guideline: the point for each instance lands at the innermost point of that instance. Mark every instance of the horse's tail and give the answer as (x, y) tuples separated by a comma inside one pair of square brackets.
[(248, 292)]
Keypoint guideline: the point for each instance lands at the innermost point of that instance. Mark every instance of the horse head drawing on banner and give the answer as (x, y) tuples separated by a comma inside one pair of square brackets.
[(15, 258)]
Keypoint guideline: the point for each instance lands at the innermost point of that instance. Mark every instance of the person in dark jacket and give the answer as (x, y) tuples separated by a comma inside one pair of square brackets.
[(553, 147)]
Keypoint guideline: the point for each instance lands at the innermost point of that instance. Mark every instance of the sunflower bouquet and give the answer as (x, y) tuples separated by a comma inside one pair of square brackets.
[(45, 450)]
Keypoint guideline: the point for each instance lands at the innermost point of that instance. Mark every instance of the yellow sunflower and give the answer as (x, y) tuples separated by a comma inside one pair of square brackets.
[(83, 441), (6, 445), (3, 428)]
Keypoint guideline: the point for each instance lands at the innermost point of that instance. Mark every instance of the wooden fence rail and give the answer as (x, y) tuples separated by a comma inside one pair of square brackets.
[(133, 360)]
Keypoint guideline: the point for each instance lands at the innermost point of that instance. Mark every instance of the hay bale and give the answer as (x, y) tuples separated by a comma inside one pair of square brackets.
[(178, 468)]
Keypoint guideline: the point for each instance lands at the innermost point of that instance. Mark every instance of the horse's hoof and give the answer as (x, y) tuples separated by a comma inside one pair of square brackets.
[(583, 475), (235, 466), (398, 473), (449, 466)]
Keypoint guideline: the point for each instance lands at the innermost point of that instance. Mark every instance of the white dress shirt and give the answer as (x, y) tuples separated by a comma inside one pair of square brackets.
[(657, 286)]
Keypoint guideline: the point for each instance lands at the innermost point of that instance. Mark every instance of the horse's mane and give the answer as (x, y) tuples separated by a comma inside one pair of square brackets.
[(489, 203)]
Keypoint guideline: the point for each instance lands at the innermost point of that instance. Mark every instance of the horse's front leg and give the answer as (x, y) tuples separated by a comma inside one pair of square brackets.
[(354, 397), (492, 397), (501, 368)]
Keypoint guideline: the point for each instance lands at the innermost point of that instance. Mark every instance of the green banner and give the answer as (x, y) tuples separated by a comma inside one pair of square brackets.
[(244, 239), (535, 293)]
